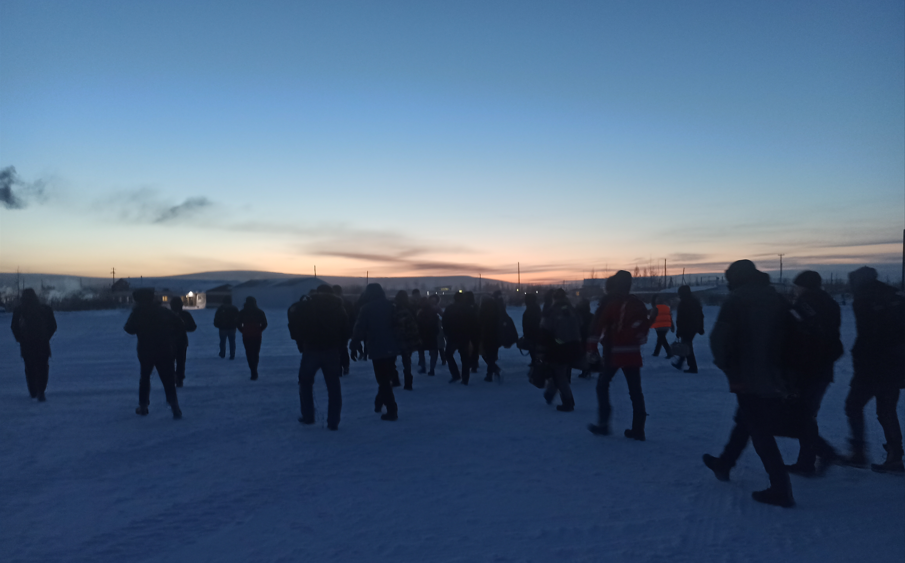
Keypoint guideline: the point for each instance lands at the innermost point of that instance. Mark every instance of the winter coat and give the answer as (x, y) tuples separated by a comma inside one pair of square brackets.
[(815, 344), (490, 323), (158, 330), (749, 337), (560, 334), (33, 326), (406, 328), (472, 321), (623, 325), (531, 322), (689, 318), (879, 350), (455, 323), (319, 322), (375, 324), (226, 317), (428, 327), (251, 322), (663, 319), (188, 325)]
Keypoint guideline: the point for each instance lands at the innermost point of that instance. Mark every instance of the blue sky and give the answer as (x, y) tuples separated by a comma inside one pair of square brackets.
[(450, 137)]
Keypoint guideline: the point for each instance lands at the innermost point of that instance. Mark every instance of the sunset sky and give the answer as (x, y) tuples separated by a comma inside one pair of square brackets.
[(438, 138)]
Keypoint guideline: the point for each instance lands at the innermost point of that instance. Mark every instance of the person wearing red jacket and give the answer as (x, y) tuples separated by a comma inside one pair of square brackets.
[(623, 325), (662, 316)]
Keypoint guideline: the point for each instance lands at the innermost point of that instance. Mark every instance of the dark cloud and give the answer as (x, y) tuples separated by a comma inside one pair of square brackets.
[(187, 208), (145, 205), (16, 194)]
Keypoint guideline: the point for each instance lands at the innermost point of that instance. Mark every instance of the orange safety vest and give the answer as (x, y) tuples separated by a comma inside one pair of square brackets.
[(664, 317)]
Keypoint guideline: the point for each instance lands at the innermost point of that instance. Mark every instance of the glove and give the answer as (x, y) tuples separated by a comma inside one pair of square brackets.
[(354, 352)]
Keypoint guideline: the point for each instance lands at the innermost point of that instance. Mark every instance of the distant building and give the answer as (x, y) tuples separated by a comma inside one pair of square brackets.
[(214, 296)]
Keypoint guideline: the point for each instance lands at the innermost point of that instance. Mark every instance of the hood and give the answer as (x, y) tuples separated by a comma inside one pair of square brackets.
[(744, 272), (861, 279), (374, 292)]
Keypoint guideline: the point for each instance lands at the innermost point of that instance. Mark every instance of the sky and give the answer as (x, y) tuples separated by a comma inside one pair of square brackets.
[(441, 138)]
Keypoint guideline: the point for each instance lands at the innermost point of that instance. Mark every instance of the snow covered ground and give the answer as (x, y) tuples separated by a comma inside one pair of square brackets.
[(487, 472)]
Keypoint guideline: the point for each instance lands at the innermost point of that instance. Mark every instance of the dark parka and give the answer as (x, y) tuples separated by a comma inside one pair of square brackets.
[(816, 344), (158, 330), (879, 350), (689, 316), (251, 321), (227, 316), (33, 325), (428, 325), (375, 324), (531, 320), (319, 322)]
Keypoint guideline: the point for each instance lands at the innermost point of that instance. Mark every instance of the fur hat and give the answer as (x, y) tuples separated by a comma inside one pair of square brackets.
[(808, 279)]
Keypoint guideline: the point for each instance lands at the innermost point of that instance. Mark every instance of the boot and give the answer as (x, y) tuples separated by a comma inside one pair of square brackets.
[(599, 429), (489, 378), (719, 467), (142, 410), (893, 463), (635, 434), (802, 470), (389, 417), (779, 493), (177, 412), (565, 408), (856, 459), (41, 397), (305, 421)]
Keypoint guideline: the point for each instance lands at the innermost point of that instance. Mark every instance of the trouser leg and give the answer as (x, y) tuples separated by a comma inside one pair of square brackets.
[(887, 398), (474, 353), (307, 370), (144, 383), (332, 368), (30, 374), (421, 359), (810, 441), (603, 396), (252, 354), (223, 335), (433, 354), (692, 361), (464, 351), (563, 373), (639, 414), (167, 379), (231, 335), (43, 374), (407, 369), (758, 413), (661, 342), (859, 394), (344, 359), (451, 360), (738, 439), (384, 370), (180, 363)]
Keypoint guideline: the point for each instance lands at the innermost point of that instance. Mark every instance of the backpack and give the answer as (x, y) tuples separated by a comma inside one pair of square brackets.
[(566, 325), (508, 332), (405, 329)]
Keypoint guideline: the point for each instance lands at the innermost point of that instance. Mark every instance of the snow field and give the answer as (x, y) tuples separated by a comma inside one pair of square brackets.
[(487, 472)]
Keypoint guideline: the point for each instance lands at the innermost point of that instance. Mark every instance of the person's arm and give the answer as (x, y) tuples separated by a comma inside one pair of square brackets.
[(51, 322), (189, 321), (131, 324), (263, 320), (17, 332), (722, 337)]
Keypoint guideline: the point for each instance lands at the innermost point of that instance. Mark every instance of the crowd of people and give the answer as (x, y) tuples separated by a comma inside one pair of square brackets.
[(778, 355)]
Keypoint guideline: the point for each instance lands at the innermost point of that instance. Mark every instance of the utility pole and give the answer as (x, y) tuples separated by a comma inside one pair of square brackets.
[(315, 270), (113, 273), (367, 277), (480, 276), (519, 287), (780, 268)]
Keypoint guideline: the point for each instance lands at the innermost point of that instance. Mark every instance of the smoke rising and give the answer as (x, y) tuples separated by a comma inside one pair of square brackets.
[(16, 194)]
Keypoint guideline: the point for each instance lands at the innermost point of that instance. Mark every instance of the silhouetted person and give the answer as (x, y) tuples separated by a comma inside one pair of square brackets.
[(375, 327), (182, 342), (33, 326), (878, 358), (662, 316), (548, 299), (407, 335), (473, 324), (226, 319), (560, 345), (623, 325), (748, 341), (429, 331), (490, 322), (455, 327), (531, 319), (689, 322), (814, 349), (441, 338), (585, 320), (321, 329), (350, 317), (252, 322), (158, 330)]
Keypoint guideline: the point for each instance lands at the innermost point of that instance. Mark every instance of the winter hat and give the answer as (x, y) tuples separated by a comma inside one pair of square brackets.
[(251, 301), (143, 295), (808, 279), (559, 294), (29, 297), (741, 272), (861, 278), (176, 303), (684, 291), (324, 288), (402, 298), (620, 282)]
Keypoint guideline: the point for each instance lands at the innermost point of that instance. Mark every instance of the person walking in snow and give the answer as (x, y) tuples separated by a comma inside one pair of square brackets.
[(531, 320), (252, 322), (375, 326), (182, 342), (689, 322), (33, 326), (623, 325), (878, 358), (473, 326), (320, 327), (815, 347), (455, 328), (407, 335), (748, 342), (560, 346), (225, 321), (158, 330), (662, 324), (489, 324), (429, 332), (350, 316)]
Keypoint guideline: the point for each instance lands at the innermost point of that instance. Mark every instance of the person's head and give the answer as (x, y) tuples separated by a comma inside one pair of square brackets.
[(469, 297), (583, 305), (228, 300), (176, 303), (416, 295), (402, 298), (373, 292), (143, 295), (741, 272), (530, 299), (548, 297), (251, 302), (338, 290), (29, 297), (861, 279), (459, 297), (488, 304), (435, 299), (424, 303), (559, 295), (807, 280), (325, 288), (684, 292), (619, 283)]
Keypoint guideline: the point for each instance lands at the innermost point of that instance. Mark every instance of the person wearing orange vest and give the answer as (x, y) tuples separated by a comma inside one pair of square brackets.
[(662, 323)]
